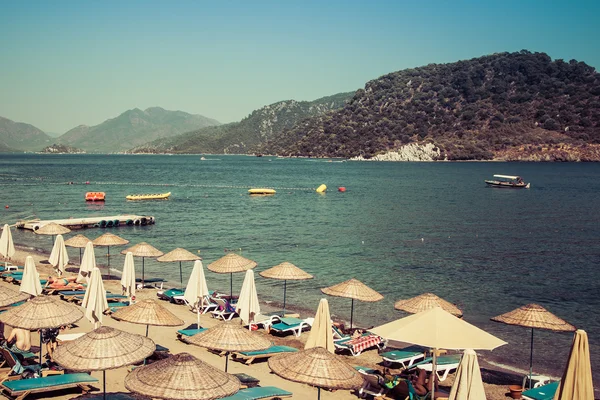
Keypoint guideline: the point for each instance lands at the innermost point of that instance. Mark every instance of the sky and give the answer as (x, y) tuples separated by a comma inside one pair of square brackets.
[(70, 63)]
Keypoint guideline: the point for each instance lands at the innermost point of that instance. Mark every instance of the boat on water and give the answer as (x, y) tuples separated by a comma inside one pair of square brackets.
[(508, 181), (154, 196), (95, 196)]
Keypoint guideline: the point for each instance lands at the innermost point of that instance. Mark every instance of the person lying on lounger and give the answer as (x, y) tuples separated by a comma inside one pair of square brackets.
[(420, 384), (63, 282)]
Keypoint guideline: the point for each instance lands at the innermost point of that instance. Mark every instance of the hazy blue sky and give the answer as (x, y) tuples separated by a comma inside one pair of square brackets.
[(66, 63)]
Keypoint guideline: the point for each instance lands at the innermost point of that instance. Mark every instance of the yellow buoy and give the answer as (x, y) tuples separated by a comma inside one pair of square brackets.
[(322, 188), (262, 191)]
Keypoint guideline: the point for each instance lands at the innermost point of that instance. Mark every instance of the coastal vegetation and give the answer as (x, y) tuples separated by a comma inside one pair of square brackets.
[(485, 108), (62, 149)]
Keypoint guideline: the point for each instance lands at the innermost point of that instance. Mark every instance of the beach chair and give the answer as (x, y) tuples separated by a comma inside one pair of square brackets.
[(115, 306), (54, 289), (248, 357), (152, 282), (265, 320), (110, 297), (260, 392), (406, 357), (246, 380), (294, 325), (444, 365), (67, 337), (373, 383), (206, 305), (183, 334), (545, 392), (69, 295), (359, 344), (19, 389), (169, 294), (226, 310)]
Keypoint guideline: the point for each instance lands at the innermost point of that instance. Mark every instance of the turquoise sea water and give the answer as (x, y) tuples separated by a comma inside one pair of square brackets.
[(401, 228)]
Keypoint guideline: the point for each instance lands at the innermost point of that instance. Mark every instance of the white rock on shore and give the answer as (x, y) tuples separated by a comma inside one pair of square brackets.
[(408, 152)]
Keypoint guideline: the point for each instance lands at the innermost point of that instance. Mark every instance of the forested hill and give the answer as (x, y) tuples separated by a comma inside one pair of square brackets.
[(245, 136), (499, 106)]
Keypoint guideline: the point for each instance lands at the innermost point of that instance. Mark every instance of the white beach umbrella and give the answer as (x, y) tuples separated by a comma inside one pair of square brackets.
[(247, 306), (468, 383), (30, 283), (59, 258), (196, 288), (88, 263), (321, 334), (128, 277), (94, 300), (7, 247)]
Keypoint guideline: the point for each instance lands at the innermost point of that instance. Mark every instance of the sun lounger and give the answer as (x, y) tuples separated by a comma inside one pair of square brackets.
[(405, 357), (152, 282), (110, 297), (358, 344), (23, 387), (265, 320), (54, 289), (373, 382), (444, 365), (255, 393), (545, 392), (294, 325), (68, 295), (115, 306), (247, 381), (226, 310), (67, 337), (183, 334), (249, 356), (169, 294)]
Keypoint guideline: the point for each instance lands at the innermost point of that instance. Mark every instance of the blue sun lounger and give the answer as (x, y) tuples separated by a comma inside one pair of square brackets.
[(294, 325), (249, 356), (405, 357), (182, 334), (444, 364), (24, 387), (255, 393), (545, 392), (169, 294)]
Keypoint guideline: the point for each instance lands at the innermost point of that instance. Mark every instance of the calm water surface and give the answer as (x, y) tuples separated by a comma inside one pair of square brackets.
[(401, 228)]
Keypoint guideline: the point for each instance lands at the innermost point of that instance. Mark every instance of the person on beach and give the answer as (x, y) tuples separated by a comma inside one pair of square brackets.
[(19, 341), (401, 389), (49, 336), (63, 282)]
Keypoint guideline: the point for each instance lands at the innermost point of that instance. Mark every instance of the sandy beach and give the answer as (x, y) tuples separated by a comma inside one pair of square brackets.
[(496, 381)]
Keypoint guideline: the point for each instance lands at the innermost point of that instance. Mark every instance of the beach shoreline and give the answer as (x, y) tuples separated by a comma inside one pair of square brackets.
[(496, 376)]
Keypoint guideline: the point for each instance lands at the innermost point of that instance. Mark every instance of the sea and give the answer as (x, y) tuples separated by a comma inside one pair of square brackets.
[(402, 228)]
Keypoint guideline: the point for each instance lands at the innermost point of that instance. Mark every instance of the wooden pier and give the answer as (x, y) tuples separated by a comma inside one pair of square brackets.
[(90, 222)]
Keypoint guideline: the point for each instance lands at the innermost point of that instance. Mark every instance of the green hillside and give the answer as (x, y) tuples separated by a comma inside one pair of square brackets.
[(18, 136), (489, 107)]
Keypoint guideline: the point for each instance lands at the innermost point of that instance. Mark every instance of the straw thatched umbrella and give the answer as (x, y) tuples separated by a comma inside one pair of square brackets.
[(103, 348), (30, 281), (7, 246), (230, 337), (321, 334), (143, 250), (79, 242), (534, 316), (59, 258), (424, 302), (247, 305), (196, 289), (316, 367), (88, 263), (576, 382), (128, 277), (468, 383), (287, 272), (94, 302), (147, 312), (107, 240), (229, 264), (9, 296), (437, 329), (353, 289), (52, 229), (180, 255), (41, 312), (181, 377)]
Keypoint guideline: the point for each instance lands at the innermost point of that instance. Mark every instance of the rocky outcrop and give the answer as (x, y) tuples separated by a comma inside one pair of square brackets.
[(409, 152)]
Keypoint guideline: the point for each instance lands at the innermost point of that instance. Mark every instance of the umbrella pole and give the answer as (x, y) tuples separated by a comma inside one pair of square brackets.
[(284, 290), (531, 360), (351, 313), (198, 315), (433, 373), (108, 261), (318, 393), (80, 256), (231, 286), (40, 347), (180, 276), (143, 273), (104, 384), (226, 360)]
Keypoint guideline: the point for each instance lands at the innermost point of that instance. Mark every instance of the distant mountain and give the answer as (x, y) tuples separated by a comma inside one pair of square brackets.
[(18, 136), (133, 128), (247, 135), (511, 106)]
